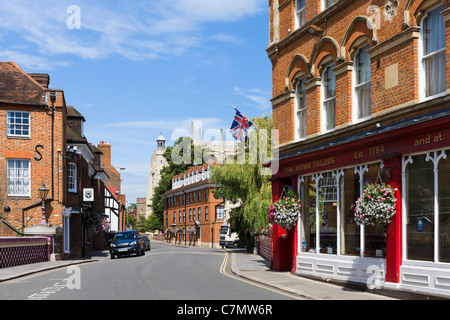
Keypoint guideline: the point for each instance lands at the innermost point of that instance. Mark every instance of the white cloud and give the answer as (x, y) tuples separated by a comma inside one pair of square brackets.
[(259, 98), (143, 30)]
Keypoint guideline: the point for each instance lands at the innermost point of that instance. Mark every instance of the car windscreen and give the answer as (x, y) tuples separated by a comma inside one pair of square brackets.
[(125, 236)]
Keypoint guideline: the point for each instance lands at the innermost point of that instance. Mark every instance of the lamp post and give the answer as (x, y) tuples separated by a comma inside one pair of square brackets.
[(43, 192)]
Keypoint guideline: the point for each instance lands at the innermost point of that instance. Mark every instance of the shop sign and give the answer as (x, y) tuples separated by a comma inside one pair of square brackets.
[(88, 194), (369, 153)]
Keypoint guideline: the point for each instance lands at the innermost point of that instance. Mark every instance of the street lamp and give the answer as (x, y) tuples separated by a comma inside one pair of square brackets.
[(43, 192)]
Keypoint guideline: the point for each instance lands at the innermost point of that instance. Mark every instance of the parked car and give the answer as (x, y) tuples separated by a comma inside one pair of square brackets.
[(146, 243), (125, 243)]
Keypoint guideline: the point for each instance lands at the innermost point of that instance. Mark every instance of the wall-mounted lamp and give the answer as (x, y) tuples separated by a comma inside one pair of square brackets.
[(313, 29), (43, 192)]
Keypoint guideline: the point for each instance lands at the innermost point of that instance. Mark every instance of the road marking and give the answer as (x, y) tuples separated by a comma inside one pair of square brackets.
[(223, 271)]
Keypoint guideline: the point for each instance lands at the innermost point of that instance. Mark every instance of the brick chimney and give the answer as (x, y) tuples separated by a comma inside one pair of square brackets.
[(42, 78), (105, 148)]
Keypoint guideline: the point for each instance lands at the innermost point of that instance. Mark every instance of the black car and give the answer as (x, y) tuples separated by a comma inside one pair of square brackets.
[(125, 243), (146, 243)]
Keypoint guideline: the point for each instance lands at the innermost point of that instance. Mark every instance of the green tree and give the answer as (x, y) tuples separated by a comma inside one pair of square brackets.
[(246, 184)]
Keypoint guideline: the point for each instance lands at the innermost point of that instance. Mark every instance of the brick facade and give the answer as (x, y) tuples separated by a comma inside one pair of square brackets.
[(183, 200), (404, 123), (20, 92)]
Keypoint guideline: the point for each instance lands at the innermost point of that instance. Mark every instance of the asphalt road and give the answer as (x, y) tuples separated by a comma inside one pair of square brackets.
[(164, 273)]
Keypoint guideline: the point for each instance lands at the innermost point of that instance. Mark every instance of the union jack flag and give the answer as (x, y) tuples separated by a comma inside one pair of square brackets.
[(240, 126)]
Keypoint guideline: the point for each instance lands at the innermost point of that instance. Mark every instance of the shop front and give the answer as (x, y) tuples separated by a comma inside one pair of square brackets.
[(412, 252)]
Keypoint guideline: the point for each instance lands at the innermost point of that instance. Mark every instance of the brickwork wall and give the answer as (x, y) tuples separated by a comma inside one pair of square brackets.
[(394, 53), (40, 171)]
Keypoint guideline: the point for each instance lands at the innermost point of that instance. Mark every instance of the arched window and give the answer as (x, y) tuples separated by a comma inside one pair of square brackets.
[(432, 53), (362, 101)]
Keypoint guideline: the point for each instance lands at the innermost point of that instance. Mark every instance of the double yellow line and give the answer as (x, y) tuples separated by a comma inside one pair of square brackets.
[(223, 271)]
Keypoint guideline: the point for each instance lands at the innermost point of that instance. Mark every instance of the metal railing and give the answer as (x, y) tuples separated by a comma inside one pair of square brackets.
[(24, 250)]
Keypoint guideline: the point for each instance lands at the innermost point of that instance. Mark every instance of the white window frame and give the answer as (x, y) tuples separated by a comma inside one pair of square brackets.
[(432, 156), (11, 125), (300, 13), (356, 86), (18, 176), (324, 101), (220, 212), (300, 110), (72, 177), (325, 4), (422, 57)]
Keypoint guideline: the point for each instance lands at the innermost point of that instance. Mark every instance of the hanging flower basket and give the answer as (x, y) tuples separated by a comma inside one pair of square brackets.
[(285, 212), (376, 206)]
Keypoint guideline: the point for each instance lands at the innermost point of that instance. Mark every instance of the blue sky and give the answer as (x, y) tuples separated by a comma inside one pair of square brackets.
[(136, 69)]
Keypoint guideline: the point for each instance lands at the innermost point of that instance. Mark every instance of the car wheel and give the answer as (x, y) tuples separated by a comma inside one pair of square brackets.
[(112, 256)]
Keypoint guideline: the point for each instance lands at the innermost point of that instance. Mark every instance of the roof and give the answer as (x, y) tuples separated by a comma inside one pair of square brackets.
[(18, 87)]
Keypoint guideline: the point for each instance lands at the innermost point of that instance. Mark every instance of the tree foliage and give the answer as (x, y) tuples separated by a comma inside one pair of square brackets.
[(245, 184)]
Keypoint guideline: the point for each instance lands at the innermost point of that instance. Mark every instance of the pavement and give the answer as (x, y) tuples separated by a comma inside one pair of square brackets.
[(246, 265)]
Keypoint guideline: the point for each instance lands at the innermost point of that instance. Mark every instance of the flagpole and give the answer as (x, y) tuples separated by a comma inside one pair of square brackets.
[(253, 124)]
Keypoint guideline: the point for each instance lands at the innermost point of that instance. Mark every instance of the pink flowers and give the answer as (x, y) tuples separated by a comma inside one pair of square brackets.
[(376, 206), (285, 212)]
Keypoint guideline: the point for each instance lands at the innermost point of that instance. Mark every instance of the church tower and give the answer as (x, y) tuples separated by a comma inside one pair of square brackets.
[(157, 162)]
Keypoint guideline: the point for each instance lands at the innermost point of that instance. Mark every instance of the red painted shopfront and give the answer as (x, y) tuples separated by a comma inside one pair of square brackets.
[(384, 146)]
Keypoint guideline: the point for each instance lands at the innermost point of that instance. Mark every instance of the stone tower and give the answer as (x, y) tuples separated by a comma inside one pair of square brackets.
[(156, 164)]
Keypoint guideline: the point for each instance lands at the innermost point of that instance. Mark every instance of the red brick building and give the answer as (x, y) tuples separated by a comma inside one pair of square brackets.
[(360, 94), (32, 133), (192, 215), (43, 147)]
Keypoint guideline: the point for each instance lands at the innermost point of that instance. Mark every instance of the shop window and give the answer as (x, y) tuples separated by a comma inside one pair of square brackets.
[(328, 98), (327, 205), (350, 243), (326, 196), (300, 109), (432, 54), (427, 179), (361, 66), (308, 215), (420, 209)]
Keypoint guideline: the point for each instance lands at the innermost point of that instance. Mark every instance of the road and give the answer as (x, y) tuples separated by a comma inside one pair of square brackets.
[(164, 273)]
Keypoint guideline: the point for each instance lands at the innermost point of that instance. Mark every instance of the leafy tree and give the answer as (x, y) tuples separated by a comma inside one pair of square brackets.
[(246, 184)]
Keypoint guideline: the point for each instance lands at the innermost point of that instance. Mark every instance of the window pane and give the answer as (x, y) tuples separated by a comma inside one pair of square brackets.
[(363, 94), (444, 209), (301, 108), (375, 240), (349, 230), (328, 213), (435, 69), (18, 177), (434, 30), (420, 209), (330, 114), (329, 82), (308, 215)]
